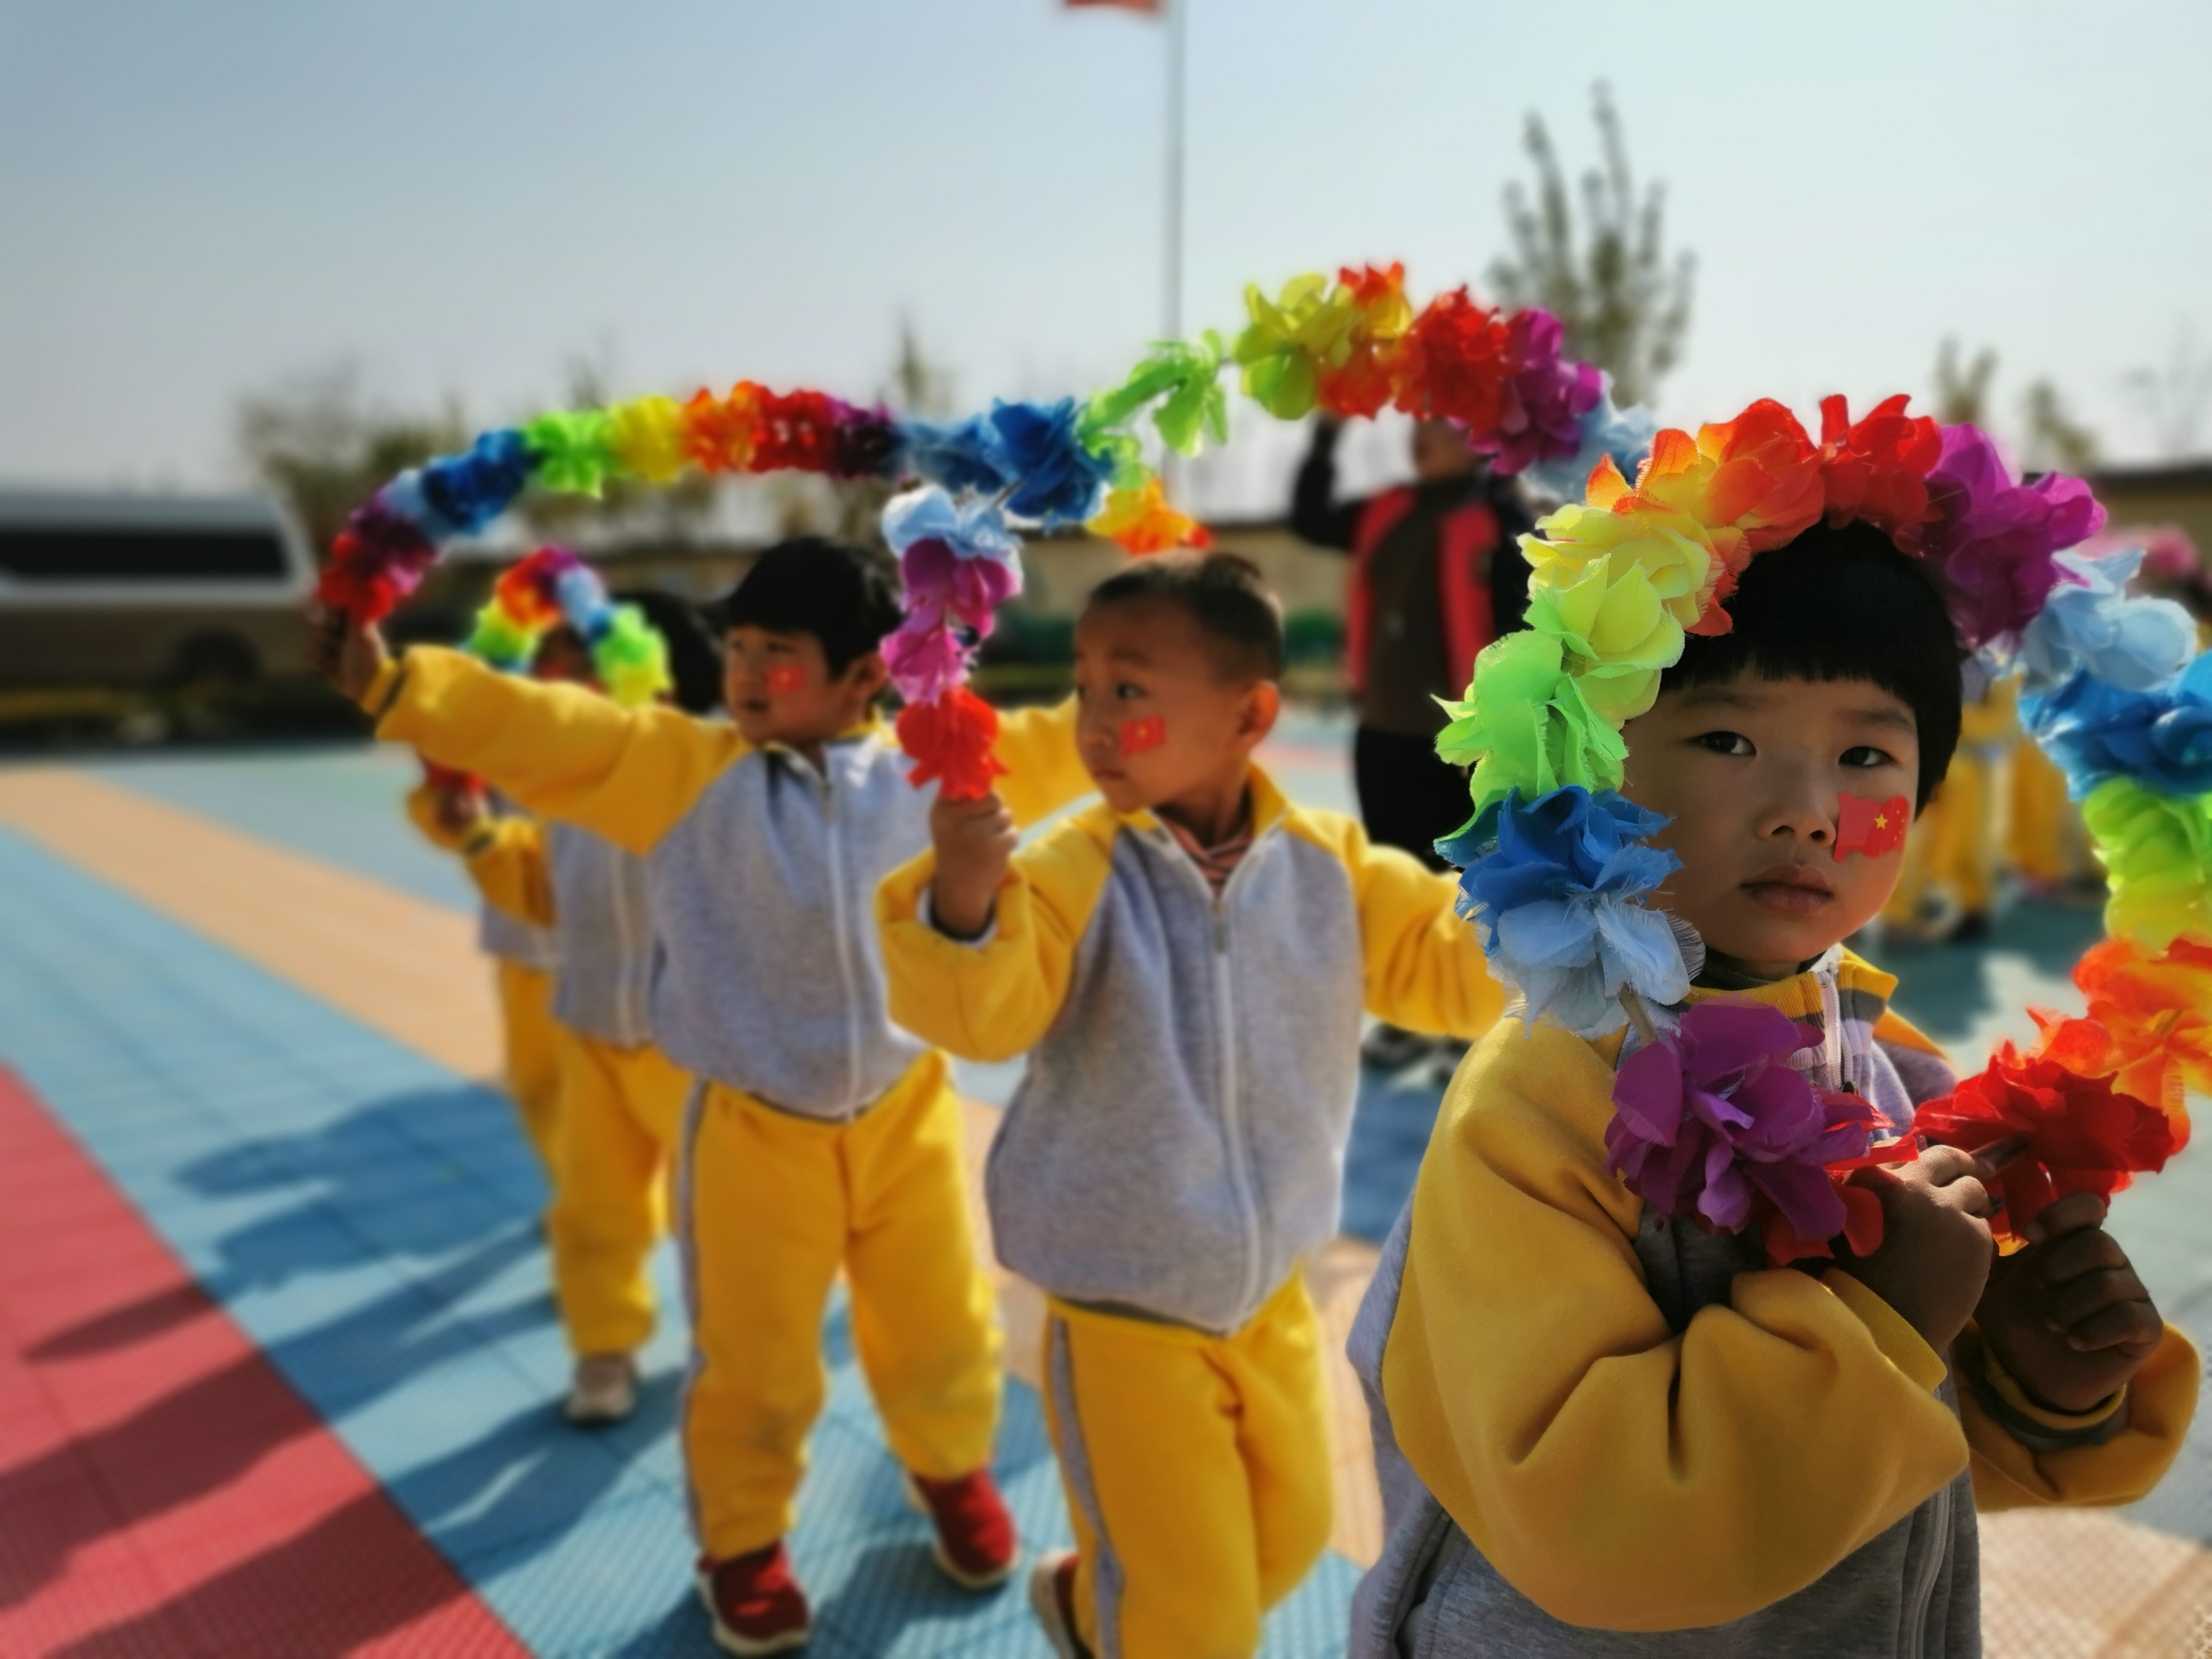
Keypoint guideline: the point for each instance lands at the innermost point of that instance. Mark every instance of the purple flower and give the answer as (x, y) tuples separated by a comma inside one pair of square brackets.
[(1546, 398), (937, 580), (1712, 1119), (925, 657), (1995, 539)]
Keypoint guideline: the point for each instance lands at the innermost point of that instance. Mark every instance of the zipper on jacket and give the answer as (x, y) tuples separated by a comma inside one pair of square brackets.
[(834, 840), (1913, 1639)]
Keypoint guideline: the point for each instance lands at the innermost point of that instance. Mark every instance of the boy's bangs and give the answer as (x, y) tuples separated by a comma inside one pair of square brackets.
[(1841, 605)]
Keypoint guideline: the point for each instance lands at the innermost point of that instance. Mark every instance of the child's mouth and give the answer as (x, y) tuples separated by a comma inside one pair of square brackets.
[(1794, 890)]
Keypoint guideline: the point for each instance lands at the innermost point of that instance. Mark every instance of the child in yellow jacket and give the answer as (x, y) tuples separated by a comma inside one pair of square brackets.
[(820, 1135), (1188, 962), (1603, 1432)]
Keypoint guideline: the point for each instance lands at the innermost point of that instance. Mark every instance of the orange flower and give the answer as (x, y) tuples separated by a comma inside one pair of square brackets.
[(719, 433), (1753, 482), (1360, 385), (2148, 1025), (1143, 522), (1877, 471)]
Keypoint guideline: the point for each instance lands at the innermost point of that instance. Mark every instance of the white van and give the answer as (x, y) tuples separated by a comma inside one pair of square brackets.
[(143, 592)]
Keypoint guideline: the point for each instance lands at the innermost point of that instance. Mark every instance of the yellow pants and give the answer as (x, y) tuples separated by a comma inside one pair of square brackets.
[(775, 1204), (1197, 1473), (532, 1042), (1955, 841), (620, 1122)]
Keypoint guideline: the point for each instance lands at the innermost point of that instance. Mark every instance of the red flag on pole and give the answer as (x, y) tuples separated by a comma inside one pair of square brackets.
[(1153, 7)]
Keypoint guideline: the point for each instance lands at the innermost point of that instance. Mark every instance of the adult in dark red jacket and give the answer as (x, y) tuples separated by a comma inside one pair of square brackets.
[(1437, 574)]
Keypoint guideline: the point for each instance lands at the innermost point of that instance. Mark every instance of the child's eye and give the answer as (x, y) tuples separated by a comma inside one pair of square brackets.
[(1725, 742), (1867, 755), (1127, 689)]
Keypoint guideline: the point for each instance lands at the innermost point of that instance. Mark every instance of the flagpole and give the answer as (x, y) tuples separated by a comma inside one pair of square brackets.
[(1171, 235)]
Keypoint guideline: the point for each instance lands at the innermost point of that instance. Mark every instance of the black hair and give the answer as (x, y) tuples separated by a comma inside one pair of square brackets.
[(1841, 605), (846, 598), (1223, 594), (695, 660)]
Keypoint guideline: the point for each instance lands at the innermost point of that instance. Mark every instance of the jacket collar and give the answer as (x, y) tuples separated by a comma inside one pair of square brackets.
[(1269, 807)]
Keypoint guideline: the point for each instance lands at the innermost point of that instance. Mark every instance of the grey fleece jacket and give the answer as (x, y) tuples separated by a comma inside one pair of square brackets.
[(602, 926)]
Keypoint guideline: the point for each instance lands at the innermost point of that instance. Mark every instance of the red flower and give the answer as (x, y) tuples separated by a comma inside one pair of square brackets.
[(1361, 384), (1877, 471), (1453, 363), (2080, 1135), (951, 740), (798, 432), (718, 432)]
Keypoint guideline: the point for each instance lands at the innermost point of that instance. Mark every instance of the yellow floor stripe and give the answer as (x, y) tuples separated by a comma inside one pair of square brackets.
[(2054, 1582)]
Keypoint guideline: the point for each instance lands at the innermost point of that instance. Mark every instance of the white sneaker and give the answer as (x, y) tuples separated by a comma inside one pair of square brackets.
[(1052, 1598), (604, 1390)]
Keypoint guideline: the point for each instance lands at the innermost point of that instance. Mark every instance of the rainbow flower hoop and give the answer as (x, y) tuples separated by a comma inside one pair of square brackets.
[(1556, 865), (553, 585)]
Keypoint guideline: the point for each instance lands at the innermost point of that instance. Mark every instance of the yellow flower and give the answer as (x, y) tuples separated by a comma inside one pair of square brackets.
[(1672, 549), (1617, 633), (646, 437)]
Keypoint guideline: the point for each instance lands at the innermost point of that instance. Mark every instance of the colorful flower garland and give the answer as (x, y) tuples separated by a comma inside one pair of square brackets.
[(629, 658), (1352, 347), (1710, 1120)]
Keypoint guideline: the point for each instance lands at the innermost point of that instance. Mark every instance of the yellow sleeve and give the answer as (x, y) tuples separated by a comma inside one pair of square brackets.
[(561, 750), (1619, 1475), (992, 999), (1044, 770), (1423, 967), (507, 860), (2160, 1400)]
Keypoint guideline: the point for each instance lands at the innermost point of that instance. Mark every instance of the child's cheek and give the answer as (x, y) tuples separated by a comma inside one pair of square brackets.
[(1876, 827), (785, 678)]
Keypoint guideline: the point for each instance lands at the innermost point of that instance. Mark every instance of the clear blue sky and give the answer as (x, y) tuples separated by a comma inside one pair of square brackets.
[(201, 197)]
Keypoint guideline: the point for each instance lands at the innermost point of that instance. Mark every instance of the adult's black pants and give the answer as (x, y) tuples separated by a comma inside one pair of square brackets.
[(1407, 797)]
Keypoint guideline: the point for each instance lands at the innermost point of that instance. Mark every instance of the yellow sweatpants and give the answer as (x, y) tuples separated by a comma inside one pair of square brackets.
[(1197, 1473), (1955, 841), (532, 1042), (620, 1122), (775, 1204)]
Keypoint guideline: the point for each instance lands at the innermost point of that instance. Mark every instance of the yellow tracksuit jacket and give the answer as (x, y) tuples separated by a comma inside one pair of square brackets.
[(1590, 1420), (1174, 1148), (823, 1135)]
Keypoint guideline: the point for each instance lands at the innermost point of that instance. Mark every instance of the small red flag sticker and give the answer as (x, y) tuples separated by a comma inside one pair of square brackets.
[(785, 678), (1872, 827), (1138, 736)]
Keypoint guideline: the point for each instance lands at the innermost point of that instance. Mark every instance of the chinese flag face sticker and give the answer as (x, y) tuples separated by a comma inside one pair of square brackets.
[(1138, 736), (1872, 827), (785, 678)]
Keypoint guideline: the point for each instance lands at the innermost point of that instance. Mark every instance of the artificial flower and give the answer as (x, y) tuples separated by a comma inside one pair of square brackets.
[(1994, 539), (1620, 436), (939, 583), (630, 657), (570, 451), (1453, 362), (2162, 737), (798, 432), (976, 530), (927, 657), (1546, 398), (646, 437), (2091, 624), (376, 561), (1876, 471), (1291, 340), (1141, 520), (1557, 885), (2156, 850), (720, 434), (1862, 1227), (1712, 1119), (1357, 381), (1185, 378), (949, 739), (470, 489), (2081, 1134), (2148, 1024), (1526, 725), (1039, 450), (1672, 552), (529, 589), (960, 455), (404, 496), (502, 639), (1617, 632)]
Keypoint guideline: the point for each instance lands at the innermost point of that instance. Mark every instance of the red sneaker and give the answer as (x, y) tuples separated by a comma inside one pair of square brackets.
[(755, 1601), (1052, 1598), (975, 1545)]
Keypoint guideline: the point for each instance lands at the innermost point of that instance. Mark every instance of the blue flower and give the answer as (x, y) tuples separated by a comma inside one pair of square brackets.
[(2162, 738), (404, 495), (470, 490), (1037, 448), (1556, 884), (2090, 624), (1624, 433), (957, 456), (975, 530)]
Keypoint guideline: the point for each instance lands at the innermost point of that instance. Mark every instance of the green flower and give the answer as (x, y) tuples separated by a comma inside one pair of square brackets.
[(1527, 724)]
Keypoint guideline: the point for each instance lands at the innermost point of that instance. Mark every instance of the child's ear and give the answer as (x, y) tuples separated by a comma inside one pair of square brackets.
[(1263, 707), (868, 675)]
